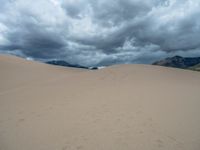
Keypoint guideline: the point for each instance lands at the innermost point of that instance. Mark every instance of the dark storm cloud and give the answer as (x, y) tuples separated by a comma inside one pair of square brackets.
[(100, 32)]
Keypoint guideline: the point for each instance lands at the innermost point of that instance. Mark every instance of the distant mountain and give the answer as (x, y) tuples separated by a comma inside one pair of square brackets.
[(179, 62), (66, 64), (195, 68)]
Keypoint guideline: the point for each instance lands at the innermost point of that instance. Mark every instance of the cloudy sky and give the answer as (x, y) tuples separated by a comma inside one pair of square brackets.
[(100, 32)]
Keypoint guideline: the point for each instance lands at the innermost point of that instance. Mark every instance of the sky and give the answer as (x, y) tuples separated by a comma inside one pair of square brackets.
[(100, 32)]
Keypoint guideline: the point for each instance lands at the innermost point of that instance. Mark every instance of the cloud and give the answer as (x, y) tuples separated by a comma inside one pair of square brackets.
[(101, 32)]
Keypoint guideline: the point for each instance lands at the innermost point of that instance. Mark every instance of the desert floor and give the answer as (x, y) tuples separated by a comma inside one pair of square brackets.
[(122, 107)]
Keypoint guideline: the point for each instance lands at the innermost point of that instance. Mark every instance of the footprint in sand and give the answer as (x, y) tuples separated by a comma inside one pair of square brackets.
[(66, 147), (141, 132), (159, 143), (21, 120), (79, 147), (20, 112)]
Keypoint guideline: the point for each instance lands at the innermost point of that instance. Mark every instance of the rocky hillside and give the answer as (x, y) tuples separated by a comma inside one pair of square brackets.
[(180, 62)]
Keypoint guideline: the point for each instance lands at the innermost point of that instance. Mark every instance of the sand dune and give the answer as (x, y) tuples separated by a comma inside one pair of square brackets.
[(124, 107)]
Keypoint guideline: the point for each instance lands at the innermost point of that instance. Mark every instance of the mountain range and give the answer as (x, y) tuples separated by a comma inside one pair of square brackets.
[(192, 63), (66, 64)]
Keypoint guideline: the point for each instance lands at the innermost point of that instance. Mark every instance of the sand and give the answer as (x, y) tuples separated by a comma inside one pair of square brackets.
[(123, 107)]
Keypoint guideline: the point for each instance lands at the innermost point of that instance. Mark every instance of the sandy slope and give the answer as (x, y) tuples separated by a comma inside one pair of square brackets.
[(125, 107)]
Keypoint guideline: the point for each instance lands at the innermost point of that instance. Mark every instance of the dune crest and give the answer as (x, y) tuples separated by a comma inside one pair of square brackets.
[(123, 107)]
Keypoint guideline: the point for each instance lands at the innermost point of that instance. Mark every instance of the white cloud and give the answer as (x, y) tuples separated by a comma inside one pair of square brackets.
[(100, 32)]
